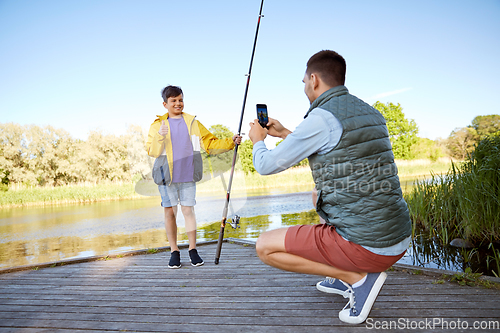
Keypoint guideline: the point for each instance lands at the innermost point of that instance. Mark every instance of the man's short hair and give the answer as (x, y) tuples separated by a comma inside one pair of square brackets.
[(330, 67), (170, 91)]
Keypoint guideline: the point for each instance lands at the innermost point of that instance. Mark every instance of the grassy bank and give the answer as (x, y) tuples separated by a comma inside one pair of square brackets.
[(422, 168), (292, 178), (465, 202), (82, 193)]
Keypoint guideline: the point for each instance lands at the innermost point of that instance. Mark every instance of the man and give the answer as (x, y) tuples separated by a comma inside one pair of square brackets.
[(367, 225)]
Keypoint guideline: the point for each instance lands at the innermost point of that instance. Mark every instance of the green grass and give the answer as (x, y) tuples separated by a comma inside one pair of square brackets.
[(66, 194), (463, 203), (422, 168)]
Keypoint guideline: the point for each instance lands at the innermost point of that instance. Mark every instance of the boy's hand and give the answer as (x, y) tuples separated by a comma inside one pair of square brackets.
[(276, 129), (237, 139), (257, 133), (163, 129)]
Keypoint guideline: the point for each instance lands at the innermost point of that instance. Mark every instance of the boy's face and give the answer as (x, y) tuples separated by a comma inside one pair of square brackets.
[(174, 105)]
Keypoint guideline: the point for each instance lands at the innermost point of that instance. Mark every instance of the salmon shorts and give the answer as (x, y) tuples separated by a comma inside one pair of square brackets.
[(321, 243)]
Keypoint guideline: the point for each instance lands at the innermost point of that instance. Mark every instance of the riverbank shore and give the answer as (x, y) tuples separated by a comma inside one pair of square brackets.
[(295, 177)]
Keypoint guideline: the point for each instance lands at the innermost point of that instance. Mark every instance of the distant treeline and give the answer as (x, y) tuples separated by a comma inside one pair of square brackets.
[(38, 156), (459, 144), (44, 156)]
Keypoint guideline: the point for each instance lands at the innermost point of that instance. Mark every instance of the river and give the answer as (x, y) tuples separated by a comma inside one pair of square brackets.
[(34, 235)]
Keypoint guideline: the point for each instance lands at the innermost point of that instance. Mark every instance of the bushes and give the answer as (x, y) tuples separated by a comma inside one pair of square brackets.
[(464, 203), (45, 156)]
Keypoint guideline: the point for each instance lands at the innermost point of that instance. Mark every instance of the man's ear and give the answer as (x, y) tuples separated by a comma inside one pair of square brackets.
[(315, 81), (165, 105)]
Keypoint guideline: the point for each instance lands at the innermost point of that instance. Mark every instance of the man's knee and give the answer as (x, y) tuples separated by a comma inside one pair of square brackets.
[(260, 246), (269, 242)]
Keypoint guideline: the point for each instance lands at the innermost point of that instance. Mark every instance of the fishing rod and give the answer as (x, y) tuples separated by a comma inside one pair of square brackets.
[(236, 219)]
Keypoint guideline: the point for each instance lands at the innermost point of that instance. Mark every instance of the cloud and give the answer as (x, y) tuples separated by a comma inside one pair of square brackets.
[(389, 93)]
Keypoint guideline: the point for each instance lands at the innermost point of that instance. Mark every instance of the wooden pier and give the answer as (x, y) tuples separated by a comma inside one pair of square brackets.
[(138, 293)]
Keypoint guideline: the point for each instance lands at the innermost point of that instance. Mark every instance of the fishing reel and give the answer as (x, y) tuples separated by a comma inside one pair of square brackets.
[(235, 222)]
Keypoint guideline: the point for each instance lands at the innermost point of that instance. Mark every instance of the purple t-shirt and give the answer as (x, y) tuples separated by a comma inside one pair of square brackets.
[(182, 150)]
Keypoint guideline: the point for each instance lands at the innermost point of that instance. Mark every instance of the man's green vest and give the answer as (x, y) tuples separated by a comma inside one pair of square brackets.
[(358, 187)]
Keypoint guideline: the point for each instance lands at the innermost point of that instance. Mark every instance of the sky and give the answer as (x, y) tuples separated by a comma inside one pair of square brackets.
[(98, 65)]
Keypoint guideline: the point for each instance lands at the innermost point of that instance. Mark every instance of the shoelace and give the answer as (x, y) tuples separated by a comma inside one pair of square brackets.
[(330, 280), (352, 300)]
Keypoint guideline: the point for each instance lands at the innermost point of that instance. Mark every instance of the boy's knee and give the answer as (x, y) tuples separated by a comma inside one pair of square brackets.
[(169, 212), (187, 210)]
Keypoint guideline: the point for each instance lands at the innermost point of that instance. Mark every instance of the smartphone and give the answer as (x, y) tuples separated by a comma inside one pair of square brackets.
[(262, 115)]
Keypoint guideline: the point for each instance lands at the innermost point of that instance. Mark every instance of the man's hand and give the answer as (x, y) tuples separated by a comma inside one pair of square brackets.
[(163, 129), (237, 139), (276, 129), (257, 133)]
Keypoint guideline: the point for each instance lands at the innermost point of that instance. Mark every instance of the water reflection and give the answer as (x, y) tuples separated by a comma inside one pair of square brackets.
[(45, 234), (429, 252), (40, 235), (48, 249)]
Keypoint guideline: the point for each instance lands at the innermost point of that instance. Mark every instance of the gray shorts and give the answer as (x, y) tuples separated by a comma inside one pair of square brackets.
[(183, 193)]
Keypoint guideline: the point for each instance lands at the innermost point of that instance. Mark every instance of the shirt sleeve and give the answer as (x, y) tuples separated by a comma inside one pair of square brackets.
[(313, 135)]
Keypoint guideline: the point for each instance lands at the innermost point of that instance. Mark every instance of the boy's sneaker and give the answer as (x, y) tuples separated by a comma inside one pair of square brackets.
[(334, 286), (175, 260), (195, 258), (361, 299)]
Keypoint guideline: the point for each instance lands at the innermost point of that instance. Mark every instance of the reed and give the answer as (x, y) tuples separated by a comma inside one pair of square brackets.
[(77, 193), (465, 202)]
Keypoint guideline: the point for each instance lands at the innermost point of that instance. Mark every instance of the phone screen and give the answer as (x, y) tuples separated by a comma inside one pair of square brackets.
[(262, 115)]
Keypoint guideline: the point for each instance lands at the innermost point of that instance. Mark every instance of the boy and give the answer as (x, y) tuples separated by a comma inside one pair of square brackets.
[(175, 140)]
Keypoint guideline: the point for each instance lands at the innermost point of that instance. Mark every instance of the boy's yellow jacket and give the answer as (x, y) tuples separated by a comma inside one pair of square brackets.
[(201, 138)]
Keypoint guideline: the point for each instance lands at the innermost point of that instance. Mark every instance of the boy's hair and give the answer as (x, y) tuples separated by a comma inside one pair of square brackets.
[(330, 67), (170, 91)]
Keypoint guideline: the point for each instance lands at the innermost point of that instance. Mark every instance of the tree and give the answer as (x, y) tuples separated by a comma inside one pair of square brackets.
[(461, 142), (217, 163), (246, 156), (402, 132), (12, 155), (49, 150), (486, 125), (140, 163), (427, 149), (103, 158), (221, 131)]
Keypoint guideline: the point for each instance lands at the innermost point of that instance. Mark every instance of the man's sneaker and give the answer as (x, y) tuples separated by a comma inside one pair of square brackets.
[(334, 286), (195, 258), (362, 298), (175, 260)]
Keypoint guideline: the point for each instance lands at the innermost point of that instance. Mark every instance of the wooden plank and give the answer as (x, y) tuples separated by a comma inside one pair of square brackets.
[(138, 293)]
